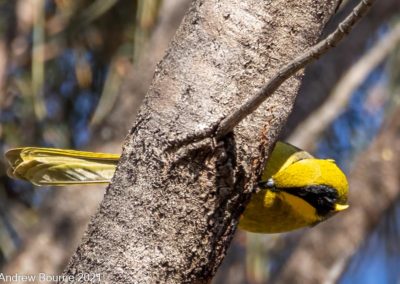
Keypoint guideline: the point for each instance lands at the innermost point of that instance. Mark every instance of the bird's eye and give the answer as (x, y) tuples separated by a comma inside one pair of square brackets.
[(268, 184)]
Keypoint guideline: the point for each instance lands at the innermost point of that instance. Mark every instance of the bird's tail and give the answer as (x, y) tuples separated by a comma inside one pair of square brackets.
[(49, 166)]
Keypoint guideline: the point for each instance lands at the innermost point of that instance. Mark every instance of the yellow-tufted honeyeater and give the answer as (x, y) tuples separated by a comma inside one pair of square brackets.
[(297, 190)]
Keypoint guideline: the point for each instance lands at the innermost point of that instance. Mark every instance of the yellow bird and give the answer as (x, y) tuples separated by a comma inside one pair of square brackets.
[(296, 189)]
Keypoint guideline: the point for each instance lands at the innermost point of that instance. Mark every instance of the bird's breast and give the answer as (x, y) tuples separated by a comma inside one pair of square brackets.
[(275, 212)]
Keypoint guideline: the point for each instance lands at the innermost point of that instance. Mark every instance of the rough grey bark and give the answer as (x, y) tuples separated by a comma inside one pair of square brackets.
[(172, 207)]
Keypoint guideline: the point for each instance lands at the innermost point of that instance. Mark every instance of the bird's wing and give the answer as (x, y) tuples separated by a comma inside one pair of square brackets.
[(283, 155)]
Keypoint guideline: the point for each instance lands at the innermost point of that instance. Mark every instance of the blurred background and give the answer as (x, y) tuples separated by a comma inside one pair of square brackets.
[(73, 74)]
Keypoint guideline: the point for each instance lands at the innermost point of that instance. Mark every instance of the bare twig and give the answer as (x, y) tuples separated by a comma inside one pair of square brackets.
[(313, 53), (307, 132)]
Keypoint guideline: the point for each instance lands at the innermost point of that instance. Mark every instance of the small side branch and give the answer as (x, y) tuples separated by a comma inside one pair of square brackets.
[(313, 53), (310, 129)]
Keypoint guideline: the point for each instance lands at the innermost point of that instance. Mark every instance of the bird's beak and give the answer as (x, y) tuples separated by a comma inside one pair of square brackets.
[(340, 207)]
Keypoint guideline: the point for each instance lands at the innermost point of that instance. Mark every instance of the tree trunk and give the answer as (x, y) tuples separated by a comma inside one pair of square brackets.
[(174, 202)]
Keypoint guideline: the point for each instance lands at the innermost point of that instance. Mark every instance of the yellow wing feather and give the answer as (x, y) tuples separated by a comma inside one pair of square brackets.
[(283, 155)]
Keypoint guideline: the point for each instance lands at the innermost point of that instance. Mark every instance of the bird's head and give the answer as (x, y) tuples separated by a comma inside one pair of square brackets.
[(321, 183)]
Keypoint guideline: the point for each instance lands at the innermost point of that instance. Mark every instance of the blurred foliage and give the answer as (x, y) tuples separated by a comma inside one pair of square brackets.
[(379, 257), (60, 62), (378, 260)]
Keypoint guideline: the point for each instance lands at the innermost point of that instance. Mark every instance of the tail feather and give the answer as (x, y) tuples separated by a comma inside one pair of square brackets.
[(48, 166)]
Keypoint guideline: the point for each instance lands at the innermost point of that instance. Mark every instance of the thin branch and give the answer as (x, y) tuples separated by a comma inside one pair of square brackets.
[(308, 131), (313, 53)]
